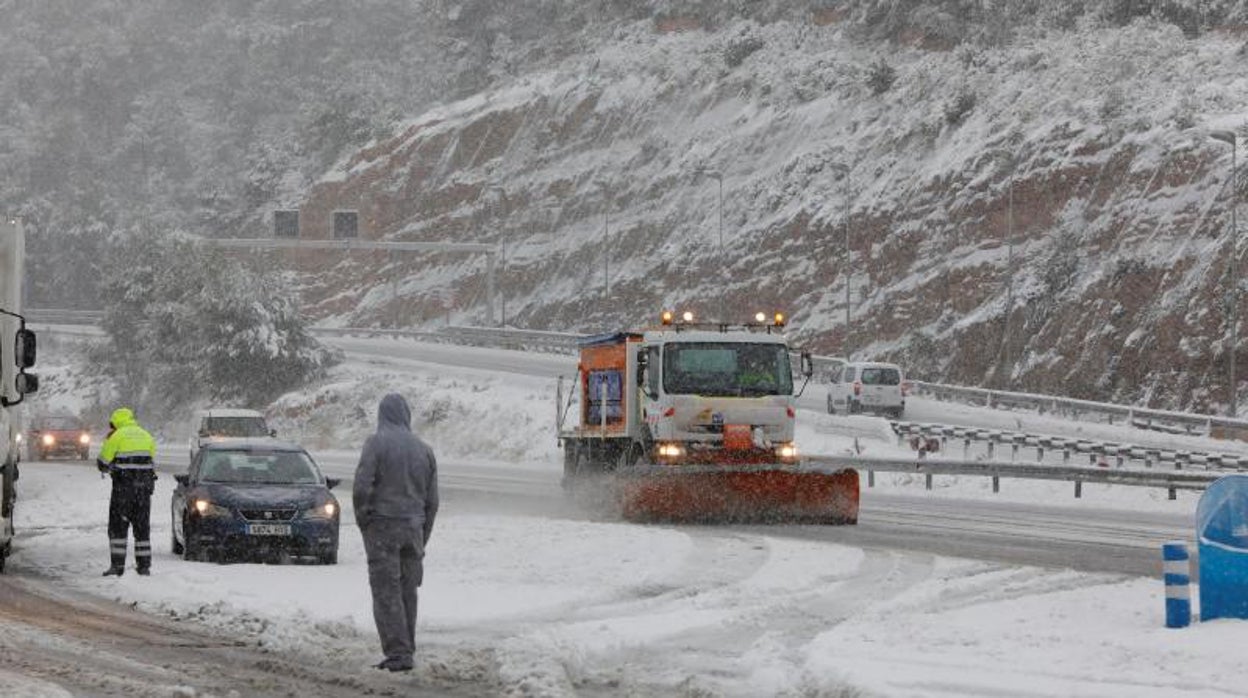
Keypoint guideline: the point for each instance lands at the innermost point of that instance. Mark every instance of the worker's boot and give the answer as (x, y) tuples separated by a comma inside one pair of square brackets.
[(114, 570), (144, 570)]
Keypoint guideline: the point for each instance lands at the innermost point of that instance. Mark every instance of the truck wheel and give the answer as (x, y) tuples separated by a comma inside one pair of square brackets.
[(633, 455)]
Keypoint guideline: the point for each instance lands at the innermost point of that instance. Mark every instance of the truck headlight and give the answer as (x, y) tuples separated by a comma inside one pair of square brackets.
[(787, 451), (84, 439), (671, 451), (48, 439)]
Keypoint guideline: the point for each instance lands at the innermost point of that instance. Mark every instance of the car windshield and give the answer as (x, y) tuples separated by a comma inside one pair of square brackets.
[(720, 369), (58, 423), (236, 426), (881, 376), (259, 467)]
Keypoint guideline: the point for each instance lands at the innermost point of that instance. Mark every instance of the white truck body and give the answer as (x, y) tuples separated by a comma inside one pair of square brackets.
[(12, 256)]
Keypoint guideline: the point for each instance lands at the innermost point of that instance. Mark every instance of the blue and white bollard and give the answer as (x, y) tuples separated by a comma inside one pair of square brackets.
[(1176, 566)]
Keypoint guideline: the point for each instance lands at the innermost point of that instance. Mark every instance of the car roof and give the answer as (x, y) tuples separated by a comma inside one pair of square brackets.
[(873, 364), (253, 444), (230, 412)]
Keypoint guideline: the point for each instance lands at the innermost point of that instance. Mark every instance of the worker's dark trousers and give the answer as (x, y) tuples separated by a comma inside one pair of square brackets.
[(395, 550), (131, 506)]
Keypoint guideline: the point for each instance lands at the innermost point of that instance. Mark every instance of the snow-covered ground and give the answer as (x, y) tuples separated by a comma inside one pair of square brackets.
[(554, 605)]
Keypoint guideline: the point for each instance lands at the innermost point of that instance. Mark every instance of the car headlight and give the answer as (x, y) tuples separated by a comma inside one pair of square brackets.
[(48, 439), (324, 510), (18, 438), (84, 439), (208, 510)]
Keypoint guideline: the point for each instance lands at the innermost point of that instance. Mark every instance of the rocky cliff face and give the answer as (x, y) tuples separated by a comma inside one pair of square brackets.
[(1044, 212)]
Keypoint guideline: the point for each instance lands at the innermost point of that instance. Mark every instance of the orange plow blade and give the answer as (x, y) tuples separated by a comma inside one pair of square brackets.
[(738, 494)]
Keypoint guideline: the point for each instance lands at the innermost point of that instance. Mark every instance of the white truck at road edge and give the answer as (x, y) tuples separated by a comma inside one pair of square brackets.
[(16, 356)]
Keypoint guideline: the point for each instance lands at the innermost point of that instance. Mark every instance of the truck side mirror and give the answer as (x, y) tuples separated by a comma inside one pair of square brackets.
[(24, 348), (26, 383), (808, 365), (183, 479), (643, 361)]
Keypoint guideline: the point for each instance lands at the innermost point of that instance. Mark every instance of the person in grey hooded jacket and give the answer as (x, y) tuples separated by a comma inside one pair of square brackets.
[(396, 500)]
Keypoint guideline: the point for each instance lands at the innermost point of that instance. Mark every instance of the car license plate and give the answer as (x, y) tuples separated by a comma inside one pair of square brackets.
[(268, 529)]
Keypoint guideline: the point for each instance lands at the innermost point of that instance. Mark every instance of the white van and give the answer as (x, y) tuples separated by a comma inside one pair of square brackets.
[(868, 386), (220, 423)]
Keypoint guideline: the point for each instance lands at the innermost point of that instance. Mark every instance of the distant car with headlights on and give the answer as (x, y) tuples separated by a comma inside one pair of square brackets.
[(58, 435), (255, 499), (222, 423)]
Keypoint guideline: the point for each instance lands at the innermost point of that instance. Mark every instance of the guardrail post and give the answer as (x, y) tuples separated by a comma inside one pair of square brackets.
[(996, 484), (991, 447), (1078, 489), (1014, 448), (966, 449), (1065, 455), (870, 478), (927, 480), (1039, 452), (1176, 573)]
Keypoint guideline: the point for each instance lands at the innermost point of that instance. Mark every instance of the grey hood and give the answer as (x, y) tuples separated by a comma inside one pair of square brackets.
[(394, 412)]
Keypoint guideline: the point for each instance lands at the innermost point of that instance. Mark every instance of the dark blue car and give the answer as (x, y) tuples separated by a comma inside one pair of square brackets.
[(256, 499)]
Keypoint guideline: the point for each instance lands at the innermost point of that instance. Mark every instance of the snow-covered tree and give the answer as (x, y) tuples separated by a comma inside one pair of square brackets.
[(186, 322)]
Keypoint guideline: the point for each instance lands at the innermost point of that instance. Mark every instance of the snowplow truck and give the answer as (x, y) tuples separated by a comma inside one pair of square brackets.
[(17, 353), (688, 422)]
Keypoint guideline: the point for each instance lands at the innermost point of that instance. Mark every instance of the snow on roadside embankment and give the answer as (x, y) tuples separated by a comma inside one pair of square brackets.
[(461, 413)]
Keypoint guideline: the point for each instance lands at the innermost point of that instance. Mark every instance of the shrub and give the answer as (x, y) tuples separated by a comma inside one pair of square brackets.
[(880, 77), (958, 108)]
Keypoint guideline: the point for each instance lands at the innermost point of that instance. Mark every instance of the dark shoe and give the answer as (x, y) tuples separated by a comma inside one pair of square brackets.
[(111, 571), (394, 665), (145, 571)]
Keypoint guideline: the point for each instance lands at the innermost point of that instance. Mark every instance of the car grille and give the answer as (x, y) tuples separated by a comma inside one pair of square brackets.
[(262, 515)]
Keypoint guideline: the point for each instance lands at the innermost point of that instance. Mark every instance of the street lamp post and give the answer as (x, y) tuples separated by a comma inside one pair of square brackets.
[(1230, 138), (606, 228), (502, 269), (719, 179), (844, 170)]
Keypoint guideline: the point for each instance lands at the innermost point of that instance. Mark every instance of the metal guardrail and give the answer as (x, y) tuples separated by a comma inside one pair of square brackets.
[(1096, 450), (1145, 418), (1171, 480)]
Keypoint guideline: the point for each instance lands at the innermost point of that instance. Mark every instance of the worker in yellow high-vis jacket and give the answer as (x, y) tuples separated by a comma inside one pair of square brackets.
[(128, 455)]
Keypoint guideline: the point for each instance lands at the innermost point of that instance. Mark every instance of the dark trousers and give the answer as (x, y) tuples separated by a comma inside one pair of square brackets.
[(395, 550), (130, 506)]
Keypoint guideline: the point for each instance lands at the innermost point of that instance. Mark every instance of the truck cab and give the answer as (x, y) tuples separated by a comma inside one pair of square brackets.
[(704, 391)]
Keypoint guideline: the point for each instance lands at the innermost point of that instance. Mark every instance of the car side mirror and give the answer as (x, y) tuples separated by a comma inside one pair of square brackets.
[(183, 479), (808, 364), (643, 361), (272, 432), (24, 349), (332, 482)]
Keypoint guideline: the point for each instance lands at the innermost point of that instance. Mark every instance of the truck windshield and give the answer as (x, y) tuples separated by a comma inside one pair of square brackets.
[(726, 369)]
